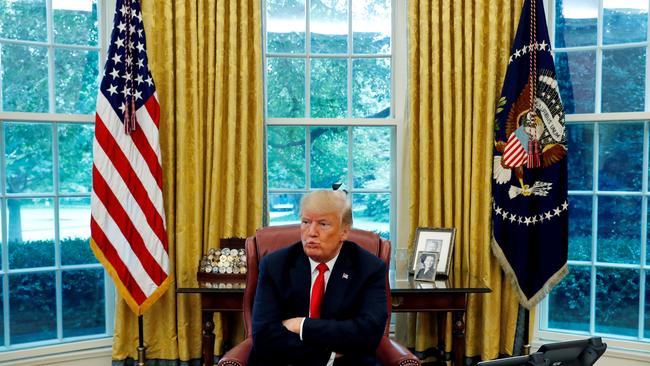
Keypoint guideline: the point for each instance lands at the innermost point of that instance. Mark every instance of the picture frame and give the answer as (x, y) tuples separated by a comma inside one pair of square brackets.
[(426, 266), (439, 240)]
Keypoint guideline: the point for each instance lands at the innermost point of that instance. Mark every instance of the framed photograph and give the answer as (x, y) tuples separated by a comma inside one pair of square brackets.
[(437, 240), (426, 266)]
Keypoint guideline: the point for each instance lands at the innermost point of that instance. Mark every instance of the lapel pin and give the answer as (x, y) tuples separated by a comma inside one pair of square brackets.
[(345, 275)]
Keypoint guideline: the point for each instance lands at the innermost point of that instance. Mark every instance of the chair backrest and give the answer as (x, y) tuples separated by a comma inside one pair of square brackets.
[(271, 238)]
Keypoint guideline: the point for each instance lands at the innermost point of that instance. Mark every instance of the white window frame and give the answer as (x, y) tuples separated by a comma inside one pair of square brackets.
[(61, 349), (397, 119), (619, 347)]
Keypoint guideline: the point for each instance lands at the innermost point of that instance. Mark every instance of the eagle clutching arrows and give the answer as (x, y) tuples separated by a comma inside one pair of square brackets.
[(548, 128)]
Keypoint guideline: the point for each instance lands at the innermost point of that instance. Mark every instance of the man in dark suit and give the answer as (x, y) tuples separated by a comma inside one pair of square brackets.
[(321, 301)]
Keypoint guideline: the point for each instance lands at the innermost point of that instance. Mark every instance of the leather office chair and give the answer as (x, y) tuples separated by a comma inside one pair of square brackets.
[(272, 238)]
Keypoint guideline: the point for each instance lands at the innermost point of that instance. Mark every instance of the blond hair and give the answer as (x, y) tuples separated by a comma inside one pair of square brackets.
[(328, 201)]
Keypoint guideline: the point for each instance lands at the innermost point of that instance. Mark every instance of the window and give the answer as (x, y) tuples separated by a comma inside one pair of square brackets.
[(601, 52), (53, 289), (331, 109)]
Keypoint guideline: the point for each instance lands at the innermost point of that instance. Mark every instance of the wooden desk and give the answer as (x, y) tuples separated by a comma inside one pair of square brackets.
[(442, 297)]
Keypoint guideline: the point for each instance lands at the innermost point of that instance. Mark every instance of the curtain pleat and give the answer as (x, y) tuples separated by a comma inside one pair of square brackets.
[(205, 57), (458, 53)]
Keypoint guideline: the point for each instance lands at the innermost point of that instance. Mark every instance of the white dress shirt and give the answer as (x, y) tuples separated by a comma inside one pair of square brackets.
[(314, 274)]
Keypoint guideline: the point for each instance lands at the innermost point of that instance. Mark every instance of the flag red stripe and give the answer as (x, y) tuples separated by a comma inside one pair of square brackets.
[(130, 232), (130, 178), (111, 255), (148, 154), (153, 108)]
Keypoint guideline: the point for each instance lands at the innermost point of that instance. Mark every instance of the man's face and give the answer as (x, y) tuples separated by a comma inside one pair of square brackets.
[(322, 234)]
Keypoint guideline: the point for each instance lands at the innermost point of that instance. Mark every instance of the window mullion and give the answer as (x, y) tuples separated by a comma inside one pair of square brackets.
[(307, 61), (644, 220), (599, 59), (349, 61), (50, 56), (350, 156), (307, 158), (5, 248), (594, 232), (57, 243)]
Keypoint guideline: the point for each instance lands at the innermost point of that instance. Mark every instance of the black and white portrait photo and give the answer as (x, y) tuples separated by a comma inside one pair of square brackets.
[(427, 262)]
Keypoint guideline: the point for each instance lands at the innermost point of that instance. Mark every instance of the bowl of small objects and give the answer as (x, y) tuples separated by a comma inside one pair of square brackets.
[(223, 263)]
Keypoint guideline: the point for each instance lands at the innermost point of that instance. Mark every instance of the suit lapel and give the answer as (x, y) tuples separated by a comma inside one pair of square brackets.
[(301, 283), (341, 277)]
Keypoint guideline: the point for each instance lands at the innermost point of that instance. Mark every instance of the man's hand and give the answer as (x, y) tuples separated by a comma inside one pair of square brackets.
[(293, 324)]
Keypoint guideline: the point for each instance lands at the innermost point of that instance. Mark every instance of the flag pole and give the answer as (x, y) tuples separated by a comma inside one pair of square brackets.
[(141, 349), (526, 340)]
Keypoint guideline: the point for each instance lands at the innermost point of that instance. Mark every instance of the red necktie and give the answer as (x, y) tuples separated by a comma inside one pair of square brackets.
[(317, 291)]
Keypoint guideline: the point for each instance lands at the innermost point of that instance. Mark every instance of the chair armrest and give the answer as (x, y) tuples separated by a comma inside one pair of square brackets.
[(238, 355), (391, 353)]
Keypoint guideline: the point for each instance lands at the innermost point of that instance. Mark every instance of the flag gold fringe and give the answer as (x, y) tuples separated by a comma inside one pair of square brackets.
[(528, 303), (137, 309)]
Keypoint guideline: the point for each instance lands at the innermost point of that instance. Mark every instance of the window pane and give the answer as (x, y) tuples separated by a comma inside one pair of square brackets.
[(580, 227), (371, 26), (329, 156), (23, 19), (371, 88), (568, 304), (575, 23), (371, 211), (581, 159), (31, 232), (371, 157), (624, 22), (328, 24), (83, 302), (24, 78), (623, 80), (620, 156), (285, 78), (75, 142), (329, 88), (285, 26), (619, 229), (74, 231), (32, 301), (286, 157), (28, 155), (75, 22), (76, 81), (284, 208), (576, 76), (617, 301)]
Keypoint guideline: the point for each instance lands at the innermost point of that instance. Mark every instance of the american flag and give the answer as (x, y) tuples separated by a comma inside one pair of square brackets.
[(127, 217), (514, 154)]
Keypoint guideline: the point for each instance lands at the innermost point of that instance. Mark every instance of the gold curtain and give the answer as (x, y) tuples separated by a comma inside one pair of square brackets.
[(458, 53), (205, 57)]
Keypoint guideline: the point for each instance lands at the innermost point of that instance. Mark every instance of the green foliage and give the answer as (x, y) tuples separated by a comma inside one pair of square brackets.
[(40, 253), (329, 156), (24, 20), (28, 157), (623, 73), (75, 143), (33, 306), (329, 92)]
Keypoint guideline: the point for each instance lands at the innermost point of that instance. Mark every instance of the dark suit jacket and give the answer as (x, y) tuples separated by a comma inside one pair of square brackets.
[(353, 311)]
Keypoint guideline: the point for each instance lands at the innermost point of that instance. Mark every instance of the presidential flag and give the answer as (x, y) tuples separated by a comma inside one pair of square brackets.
[(529, 187), (127, 217)]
